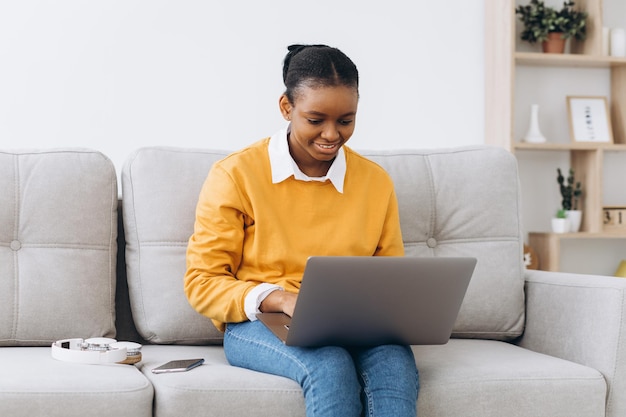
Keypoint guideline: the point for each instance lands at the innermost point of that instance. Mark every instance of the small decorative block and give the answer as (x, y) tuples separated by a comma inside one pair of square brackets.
[(614, 218)]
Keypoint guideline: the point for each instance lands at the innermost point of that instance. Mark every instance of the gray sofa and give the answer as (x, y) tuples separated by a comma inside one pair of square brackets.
[(76, 262)]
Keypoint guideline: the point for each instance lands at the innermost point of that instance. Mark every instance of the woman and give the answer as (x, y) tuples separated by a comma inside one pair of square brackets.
[(265, 209)]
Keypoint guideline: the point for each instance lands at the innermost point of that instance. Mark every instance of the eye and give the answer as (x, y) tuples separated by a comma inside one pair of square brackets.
[(314, 121), (345, 122)]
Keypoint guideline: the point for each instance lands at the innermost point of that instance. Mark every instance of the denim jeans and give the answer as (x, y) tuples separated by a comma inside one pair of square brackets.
[(344, 382)]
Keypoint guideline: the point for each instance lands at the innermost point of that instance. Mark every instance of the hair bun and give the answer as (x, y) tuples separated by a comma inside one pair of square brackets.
[(295, 48), (293, 51)]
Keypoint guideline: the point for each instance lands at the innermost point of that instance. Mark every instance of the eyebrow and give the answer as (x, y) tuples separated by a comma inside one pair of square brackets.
[(317, 113)]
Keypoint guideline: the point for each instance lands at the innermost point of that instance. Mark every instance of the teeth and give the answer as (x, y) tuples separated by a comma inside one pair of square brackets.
[(326, 146)]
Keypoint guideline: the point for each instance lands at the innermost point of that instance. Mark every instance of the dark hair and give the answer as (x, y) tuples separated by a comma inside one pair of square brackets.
[(317, 66)]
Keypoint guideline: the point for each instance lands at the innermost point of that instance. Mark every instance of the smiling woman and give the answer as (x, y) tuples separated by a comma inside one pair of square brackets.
[(320, 101), (264, 210)]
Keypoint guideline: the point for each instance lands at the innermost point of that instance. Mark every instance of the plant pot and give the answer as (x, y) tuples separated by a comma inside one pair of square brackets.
[(560, 225), (555, 44), (575, 217)]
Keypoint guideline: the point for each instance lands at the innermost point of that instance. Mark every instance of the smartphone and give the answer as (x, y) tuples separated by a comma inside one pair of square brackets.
[(180, 365)]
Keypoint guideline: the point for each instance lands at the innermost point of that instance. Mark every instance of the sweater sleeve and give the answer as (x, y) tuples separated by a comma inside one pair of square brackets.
[(391, 243), (214, 251)]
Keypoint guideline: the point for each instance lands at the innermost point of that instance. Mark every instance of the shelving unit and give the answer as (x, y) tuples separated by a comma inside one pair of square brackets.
[(587, 159)]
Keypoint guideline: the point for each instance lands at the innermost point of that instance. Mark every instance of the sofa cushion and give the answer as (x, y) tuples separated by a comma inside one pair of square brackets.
[(58, 229), (486, 378), (451, 204), (160, 190), (216, 388), (466, 202), (34, 384), (470, 378)]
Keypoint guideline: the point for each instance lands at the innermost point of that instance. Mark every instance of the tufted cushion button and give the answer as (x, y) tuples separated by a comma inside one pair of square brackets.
[(431, 242), (16, 245)]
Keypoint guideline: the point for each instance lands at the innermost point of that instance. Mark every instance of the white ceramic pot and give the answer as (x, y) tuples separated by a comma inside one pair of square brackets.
[(575, 217), (560, 225)]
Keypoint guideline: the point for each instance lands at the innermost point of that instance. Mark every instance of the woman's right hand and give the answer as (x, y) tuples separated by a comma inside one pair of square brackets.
[(279, 302)]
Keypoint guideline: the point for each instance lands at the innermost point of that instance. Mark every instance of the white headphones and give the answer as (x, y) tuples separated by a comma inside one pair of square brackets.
[(97, 350)]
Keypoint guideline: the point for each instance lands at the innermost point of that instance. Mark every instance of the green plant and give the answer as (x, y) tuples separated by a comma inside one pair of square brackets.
[(540, 20), (561, 214), (570, 190)]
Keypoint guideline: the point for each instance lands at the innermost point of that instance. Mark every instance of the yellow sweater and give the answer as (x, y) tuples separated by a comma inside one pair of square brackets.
[(249, 230)]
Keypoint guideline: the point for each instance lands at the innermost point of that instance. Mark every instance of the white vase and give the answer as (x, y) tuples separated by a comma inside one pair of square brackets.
[(618, 42), (534, 133), (560, 225), (575, 217)]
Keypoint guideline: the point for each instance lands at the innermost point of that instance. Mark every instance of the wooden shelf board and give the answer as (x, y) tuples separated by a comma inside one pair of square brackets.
[(580, 235), (573, 146), (568, 60)]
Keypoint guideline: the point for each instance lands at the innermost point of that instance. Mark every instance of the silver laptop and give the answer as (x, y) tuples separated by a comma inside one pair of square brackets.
[(375, 300)]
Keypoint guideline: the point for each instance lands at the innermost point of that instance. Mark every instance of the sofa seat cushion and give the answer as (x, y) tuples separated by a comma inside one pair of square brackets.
[(481, 378), (32, 383), (216, 388), (466, 377)]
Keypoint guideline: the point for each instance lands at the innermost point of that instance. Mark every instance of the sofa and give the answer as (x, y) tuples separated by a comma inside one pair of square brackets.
[(82, 257)]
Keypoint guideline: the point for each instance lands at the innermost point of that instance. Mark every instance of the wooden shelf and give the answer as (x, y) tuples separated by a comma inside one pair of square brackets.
[(587, 159), (568, 60), (574, 146), (548, 245), (579, 235)]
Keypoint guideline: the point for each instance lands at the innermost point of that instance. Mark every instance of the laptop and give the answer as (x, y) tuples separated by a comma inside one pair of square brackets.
[(375, 300)]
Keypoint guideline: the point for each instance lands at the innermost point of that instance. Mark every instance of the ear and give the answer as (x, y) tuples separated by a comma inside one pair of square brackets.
[(285, 107)]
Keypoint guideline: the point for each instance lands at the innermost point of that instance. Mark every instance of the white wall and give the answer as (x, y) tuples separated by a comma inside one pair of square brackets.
[(116, 75)]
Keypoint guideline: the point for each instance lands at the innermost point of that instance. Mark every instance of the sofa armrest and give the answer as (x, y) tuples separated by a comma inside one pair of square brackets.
[(580, 318)]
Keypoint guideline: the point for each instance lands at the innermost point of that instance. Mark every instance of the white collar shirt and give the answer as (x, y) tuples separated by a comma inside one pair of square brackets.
[(283, 166)]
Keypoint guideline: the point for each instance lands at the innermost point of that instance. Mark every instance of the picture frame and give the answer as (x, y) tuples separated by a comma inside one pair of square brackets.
[(589, 119)]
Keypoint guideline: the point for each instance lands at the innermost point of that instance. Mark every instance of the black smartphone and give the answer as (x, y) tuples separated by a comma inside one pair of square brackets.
[(180, 365)]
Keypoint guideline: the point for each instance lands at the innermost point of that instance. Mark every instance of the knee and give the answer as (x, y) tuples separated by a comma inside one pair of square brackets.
[(390, 380), (402, 358), (334, 363), (391, 363), (330, 383), (330, 367)]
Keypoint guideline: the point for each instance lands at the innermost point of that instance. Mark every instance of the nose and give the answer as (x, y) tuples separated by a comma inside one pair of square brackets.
[(330, 133)]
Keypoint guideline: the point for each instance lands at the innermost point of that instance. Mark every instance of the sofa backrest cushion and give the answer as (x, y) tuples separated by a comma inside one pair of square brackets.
[(455, 202), (160, 189), (466, 202), (58, 230)]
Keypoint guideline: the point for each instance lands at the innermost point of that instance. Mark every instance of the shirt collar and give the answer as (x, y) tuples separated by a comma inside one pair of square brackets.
[(283, 166)]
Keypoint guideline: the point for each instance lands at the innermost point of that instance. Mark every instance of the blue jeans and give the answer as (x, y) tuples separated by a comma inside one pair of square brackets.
[(343, 382)]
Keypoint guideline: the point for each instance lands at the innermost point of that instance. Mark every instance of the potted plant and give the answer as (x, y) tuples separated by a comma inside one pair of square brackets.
[(560, 223), (571, 192), (552, 27)]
